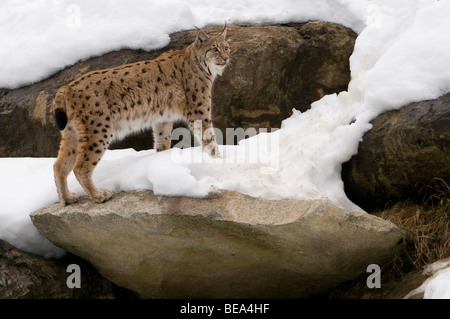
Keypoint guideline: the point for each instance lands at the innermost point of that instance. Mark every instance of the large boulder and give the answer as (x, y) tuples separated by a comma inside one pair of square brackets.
[(274, 69), (401, 155), (234, 246)]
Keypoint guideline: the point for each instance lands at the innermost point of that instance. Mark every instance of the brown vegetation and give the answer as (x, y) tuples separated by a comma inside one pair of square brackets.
[(428, 225)]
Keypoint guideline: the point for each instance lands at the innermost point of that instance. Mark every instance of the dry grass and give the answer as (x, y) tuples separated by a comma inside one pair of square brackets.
[(429, 229), (428, 224)]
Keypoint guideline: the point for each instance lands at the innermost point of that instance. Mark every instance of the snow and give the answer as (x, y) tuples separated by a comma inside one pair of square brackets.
[(437, 286), (40, 38), (401, 55)]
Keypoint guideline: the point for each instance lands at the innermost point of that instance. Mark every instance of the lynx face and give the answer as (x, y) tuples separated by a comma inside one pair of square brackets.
[(214, 52)]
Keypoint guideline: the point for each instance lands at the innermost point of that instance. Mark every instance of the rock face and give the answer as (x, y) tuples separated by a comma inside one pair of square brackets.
[(274, 69), (277, 68), (401, 154), (234, 246), (26, 276)]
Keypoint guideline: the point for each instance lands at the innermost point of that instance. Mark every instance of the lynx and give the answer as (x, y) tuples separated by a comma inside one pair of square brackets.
[(106, 105)]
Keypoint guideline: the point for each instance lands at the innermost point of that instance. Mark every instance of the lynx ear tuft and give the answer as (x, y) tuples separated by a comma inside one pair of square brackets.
[(201, 37), (224, 31)]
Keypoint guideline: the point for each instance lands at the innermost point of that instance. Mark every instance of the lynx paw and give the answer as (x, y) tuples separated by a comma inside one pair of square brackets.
[(214, 152), (70, 198), (103, 196)]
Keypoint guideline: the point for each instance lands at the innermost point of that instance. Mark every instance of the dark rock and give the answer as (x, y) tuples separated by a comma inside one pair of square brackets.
[(404, 151), (274, 69), (27, 276), (277, 68), (22, 136)]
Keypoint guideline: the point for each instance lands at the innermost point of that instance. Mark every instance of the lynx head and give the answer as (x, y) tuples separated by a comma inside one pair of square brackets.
[(213, 52)]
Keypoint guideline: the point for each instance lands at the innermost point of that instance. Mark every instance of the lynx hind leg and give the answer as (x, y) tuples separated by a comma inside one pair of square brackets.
[(162, 133), (64, 164), (89, 154)]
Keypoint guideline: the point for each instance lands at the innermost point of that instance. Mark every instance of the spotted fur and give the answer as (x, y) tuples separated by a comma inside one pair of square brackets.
[(106, 105)]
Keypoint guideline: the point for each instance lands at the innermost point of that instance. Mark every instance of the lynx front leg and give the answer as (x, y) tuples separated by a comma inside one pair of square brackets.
[(204, 133), (162, 133)]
